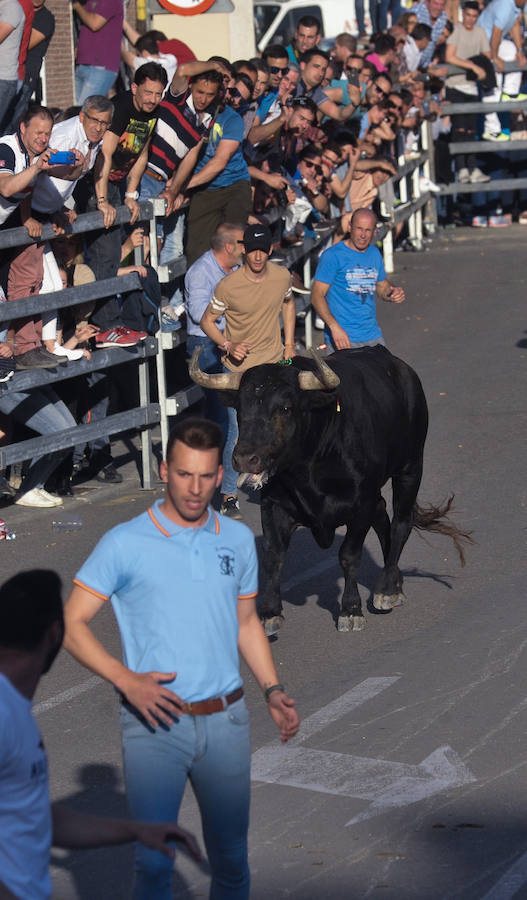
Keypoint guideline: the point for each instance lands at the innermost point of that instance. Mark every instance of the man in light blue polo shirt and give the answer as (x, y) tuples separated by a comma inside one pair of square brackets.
[(183, 582), (349, 276)]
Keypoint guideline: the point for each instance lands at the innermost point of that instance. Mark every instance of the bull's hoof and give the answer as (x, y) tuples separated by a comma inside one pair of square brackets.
[(384, 602), (344, 623), (272, 625), (351, 623)]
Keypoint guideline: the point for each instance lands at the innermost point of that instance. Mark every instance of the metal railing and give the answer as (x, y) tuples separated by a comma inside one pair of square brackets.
[(142, 417)]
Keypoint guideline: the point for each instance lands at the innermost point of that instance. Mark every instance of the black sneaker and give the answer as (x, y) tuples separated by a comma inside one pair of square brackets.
[(5, 488), (231, 508), (7, 368), (109, 475), (39, 358)]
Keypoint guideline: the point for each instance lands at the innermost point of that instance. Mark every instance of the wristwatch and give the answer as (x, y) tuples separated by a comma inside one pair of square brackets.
[(132, 195)]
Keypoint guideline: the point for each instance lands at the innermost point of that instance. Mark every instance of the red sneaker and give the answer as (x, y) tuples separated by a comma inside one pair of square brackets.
[(119, 337)]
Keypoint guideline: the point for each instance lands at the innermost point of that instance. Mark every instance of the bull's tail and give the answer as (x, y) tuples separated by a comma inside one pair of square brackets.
[(435, 518)]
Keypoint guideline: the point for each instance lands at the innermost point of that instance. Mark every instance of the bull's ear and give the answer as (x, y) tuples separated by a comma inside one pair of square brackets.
[(229, 398), (318, 399)]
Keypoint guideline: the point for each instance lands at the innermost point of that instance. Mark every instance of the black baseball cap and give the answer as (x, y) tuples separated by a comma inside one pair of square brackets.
[(257, 237)]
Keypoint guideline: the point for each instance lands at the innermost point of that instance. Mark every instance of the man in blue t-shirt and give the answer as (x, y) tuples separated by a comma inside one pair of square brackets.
[(348, 277), (220, 185)]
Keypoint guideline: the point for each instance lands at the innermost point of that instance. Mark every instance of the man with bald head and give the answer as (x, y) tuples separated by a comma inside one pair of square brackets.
[(348, 278)]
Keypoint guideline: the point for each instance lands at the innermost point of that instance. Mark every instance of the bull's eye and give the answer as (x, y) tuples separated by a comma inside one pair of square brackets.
[(286, 409)]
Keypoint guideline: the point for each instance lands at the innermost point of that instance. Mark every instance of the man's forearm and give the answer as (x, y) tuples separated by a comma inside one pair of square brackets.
[(209, 327), (208, 173), (289, 320), (320, 305), (12, 184), (259, 133), (75, 830), (255, 649)]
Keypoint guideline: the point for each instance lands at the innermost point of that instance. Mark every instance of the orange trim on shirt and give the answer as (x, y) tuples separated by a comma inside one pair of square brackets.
[(216, 524), (157, 524), (247, 596), (90, 590)]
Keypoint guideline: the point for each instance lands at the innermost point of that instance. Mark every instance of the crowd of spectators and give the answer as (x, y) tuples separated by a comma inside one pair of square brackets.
[(309, 131)]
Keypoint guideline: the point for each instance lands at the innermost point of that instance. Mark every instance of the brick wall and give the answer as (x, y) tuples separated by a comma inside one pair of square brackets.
[(59, 58), (60, 62)]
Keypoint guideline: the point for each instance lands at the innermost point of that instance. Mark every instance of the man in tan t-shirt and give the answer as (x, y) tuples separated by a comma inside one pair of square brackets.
[(251, 299)]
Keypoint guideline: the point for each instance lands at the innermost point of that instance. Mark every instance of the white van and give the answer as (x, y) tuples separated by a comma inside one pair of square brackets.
[(275, 21)]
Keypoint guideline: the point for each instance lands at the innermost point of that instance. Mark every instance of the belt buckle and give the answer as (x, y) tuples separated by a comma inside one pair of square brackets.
[(224, 703), (189, 709)]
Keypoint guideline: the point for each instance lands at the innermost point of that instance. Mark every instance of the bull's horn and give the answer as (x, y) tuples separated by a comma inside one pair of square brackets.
[(224, 381), (324, 380)]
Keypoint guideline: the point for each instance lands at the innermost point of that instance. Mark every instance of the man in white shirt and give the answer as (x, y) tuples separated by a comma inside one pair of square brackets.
[(83, 133)]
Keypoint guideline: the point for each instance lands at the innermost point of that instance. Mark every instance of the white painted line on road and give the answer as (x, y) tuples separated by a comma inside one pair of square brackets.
[(65, 696), (511, 883), (343, 705), (384, 783), (73, 692)]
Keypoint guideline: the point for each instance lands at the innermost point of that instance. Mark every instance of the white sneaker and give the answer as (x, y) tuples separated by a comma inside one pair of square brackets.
[(38, 498), (463, 175), (478, 177), (53, 498), (60, 350), (427, 185)]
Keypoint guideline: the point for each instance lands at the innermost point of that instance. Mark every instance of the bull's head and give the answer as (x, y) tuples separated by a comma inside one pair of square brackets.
[(272, 402)]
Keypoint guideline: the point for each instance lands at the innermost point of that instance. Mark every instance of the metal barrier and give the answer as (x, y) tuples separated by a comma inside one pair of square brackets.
[(141, 417)]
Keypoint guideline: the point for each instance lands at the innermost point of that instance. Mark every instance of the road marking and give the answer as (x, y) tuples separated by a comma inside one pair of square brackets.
[(511, 883), (91, 683), (343, 705), (384, 783), (65, 696)]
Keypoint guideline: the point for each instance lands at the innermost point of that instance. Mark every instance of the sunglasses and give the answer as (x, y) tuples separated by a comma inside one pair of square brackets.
[(380, 91), (234, 93), (329, 161), (353, 70), (276, 70), (309, 164)]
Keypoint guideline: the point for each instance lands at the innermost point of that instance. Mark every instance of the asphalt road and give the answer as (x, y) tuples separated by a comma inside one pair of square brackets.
[(408, 779)]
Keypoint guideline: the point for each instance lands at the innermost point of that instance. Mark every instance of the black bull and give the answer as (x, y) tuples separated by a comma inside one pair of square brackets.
[(329, 439)]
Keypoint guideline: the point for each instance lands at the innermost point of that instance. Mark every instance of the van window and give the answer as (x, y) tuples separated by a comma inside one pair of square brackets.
[(264, 15), (287, 27)]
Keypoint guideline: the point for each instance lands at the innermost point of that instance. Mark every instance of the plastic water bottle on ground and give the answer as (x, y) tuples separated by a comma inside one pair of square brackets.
[(5, 534)]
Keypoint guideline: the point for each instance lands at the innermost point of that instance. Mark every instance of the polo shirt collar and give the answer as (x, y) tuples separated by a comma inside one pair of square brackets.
[(170, 529)]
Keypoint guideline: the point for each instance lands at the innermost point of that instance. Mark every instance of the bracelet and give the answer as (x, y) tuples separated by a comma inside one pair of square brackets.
[(274, 687), (102, 199), (226, 345)]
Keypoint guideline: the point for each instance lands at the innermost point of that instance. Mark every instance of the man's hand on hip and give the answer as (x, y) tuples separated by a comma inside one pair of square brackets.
[(156, 703)]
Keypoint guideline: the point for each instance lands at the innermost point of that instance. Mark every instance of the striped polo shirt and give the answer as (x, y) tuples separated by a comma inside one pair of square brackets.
[(178, 129), (175, 592)]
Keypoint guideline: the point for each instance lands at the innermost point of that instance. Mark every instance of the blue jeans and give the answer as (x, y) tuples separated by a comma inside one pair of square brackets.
[(214, 753), (230, 477), (210, 362), (42, 411), (90, 80)]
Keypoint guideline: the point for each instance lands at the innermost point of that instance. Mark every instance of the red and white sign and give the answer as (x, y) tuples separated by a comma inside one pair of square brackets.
[(186, 7)]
